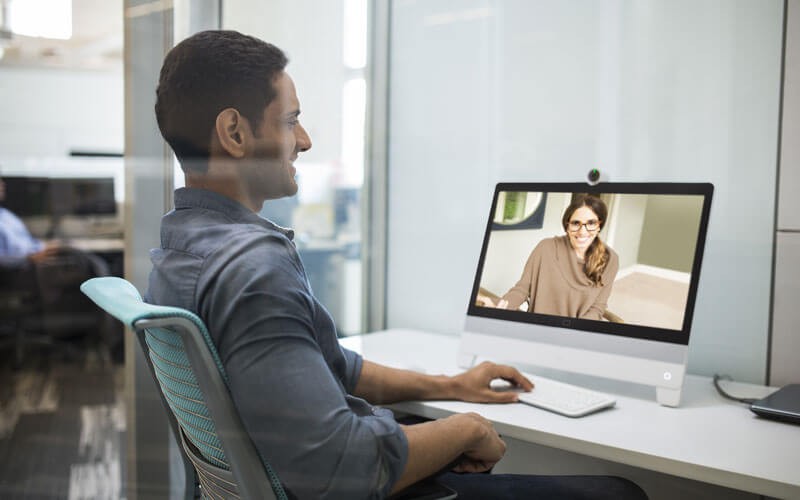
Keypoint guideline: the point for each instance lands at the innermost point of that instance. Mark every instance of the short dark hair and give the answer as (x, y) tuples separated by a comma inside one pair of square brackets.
[(206, 73)]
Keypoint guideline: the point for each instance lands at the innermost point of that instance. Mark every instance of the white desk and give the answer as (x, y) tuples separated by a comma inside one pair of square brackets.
[(707, 438), (95, 244)]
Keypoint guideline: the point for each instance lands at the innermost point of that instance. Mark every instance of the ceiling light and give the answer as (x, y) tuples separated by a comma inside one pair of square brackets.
[(40, 18)]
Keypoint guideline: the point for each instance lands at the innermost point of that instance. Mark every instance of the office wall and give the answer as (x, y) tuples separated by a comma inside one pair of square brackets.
[(628, 213), (785, 361), (483, 91), (669, 231), (49, 112)]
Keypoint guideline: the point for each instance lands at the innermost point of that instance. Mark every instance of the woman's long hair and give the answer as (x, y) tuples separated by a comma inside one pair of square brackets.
[(597, 255)]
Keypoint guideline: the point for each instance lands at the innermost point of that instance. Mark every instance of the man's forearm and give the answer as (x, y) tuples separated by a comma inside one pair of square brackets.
[(382, 385), (434, 445)]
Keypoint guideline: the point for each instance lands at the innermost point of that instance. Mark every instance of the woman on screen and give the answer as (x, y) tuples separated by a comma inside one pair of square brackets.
[(569, 275)]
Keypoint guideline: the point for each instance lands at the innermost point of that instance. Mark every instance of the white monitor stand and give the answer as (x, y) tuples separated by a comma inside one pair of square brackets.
[(631, 360)]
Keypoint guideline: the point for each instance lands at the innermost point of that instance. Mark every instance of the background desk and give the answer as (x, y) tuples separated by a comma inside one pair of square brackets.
[(707, 438), (111, 250)]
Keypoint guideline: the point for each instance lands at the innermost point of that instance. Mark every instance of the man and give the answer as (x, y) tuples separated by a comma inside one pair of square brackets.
[(230, 113), (17, 246)]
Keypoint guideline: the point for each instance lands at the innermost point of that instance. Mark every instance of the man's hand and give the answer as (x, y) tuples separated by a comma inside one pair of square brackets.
[(50, 251), (487, 449), (465, 439), (473, 385)]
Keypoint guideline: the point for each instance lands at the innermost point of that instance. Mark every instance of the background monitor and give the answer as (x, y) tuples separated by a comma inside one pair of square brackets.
[(634, 324), (27, 196), (83, 196)]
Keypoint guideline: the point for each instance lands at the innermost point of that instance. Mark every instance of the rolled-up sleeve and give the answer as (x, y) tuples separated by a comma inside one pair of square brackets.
[(353, 364), (321, 441)]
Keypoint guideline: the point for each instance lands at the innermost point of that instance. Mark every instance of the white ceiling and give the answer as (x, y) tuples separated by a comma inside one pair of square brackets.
[(96, 43)]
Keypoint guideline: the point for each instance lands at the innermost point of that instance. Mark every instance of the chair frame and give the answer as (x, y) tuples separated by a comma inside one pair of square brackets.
[(245, 463)]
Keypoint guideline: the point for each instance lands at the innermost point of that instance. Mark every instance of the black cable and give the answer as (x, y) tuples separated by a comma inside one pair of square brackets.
[(724, 394)]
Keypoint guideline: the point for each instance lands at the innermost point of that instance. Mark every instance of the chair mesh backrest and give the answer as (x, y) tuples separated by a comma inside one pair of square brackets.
[(183, 394)]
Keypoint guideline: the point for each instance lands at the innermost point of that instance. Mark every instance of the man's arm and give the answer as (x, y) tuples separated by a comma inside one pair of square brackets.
[(380, 384), (466, 439)]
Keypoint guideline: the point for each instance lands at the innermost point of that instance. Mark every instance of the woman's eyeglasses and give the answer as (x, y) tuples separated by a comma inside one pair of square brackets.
[(591, 225)]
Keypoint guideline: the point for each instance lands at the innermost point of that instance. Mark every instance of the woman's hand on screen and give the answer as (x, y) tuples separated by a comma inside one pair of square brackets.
[(485, 301)]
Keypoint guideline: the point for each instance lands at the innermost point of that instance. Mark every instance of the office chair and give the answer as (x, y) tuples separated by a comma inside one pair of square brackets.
[(193, 387), (41, 303), (18, 304)]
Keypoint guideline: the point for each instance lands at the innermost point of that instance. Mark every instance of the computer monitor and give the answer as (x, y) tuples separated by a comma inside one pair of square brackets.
[(27, 196), (623, 311), (90, 196)]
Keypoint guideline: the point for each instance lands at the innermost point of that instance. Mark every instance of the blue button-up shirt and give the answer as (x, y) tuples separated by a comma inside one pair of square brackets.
[(15, 239), (289, 377)]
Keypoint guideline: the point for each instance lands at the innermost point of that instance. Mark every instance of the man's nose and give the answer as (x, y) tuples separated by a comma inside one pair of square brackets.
[(303, 139)]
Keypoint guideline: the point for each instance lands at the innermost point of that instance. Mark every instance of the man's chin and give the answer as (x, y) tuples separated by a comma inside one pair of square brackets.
[(288, 191)]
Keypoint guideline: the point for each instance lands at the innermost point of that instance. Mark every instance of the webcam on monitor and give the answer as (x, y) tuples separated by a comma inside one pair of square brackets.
[(595, 176)]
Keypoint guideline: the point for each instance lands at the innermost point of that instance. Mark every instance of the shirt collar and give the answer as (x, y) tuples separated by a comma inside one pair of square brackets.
[(202, 198)]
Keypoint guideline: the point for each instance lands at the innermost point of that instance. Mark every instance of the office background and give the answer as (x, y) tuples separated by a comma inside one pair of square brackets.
[(459, 95)]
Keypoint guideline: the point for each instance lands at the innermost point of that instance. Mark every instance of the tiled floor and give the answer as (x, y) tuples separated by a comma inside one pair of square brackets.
[(61, 428)]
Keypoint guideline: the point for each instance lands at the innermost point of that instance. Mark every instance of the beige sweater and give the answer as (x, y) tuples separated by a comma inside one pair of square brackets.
[(553, 282)]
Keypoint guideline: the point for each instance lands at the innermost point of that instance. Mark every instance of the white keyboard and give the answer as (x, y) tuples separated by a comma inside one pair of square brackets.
[(566, 399)]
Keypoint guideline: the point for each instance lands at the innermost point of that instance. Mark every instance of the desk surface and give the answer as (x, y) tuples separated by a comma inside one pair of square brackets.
[(707, 438), (94, 244)]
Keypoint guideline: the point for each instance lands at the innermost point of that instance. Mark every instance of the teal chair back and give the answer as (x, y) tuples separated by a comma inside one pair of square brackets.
[(193, 384)]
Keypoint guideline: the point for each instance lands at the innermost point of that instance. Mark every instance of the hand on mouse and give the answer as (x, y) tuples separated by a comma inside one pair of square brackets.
[(474, 384)]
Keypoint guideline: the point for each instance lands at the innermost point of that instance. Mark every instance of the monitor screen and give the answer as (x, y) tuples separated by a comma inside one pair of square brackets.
[(27, 196), (618, 259), (83, 196)]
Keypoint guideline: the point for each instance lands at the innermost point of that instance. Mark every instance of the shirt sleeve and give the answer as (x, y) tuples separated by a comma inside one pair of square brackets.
[(353, 362), (15, 239), (261, 315)]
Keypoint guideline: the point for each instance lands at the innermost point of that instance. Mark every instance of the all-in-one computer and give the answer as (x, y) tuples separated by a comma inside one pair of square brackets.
[(542, 298)]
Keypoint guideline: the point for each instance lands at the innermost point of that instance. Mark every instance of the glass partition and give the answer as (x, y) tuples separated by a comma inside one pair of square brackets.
[(326, 43)]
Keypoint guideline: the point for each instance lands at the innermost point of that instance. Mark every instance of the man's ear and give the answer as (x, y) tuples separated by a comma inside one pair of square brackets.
[(232, 131)]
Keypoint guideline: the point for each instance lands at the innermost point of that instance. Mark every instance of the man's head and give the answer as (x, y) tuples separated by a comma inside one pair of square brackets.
[(224, 94), (206, 73)]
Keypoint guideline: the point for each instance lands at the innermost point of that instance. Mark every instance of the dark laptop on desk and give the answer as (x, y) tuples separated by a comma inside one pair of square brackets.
[(783, 404)]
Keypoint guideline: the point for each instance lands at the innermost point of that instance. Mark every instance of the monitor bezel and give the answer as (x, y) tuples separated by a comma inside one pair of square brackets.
[(595, 326)]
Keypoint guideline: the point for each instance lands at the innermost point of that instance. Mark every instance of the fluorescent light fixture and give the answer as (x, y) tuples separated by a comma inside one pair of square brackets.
[(355, 34), (354, 101), (41, 18)]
